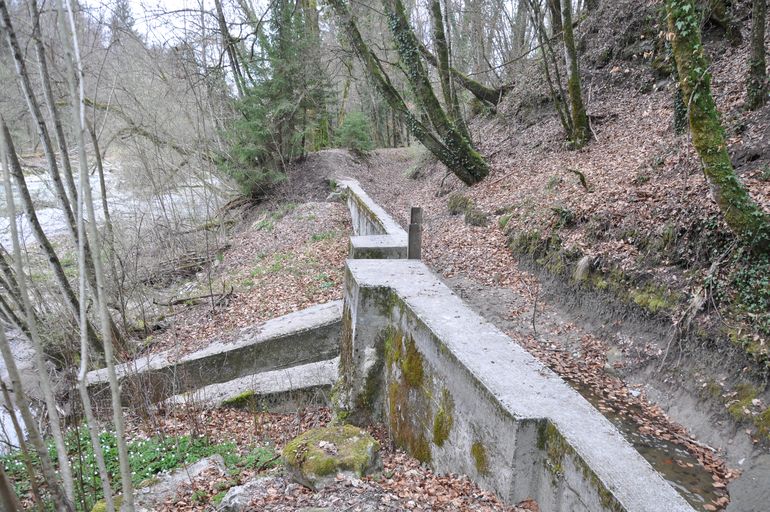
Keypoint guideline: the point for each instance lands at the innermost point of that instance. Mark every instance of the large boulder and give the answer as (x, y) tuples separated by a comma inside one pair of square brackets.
[(315, 458)]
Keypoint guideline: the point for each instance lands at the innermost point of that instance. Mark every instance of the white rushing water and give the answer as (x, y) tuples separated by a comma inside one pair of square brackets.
[(129, 204)]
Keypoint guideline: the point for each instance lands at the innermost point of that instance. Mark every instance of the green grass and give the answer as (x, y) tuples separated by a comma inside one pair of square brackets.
[(326, 235), (148, 458)]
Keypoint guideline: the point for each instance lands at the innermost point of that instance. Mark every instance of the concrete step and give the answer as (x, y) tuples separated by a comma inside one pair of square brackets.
[(307, 336), (279, 391)]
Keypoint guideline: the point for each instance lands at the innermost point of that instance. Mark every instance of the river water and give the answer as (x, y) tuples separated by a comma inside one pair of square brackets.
[(132, 201)]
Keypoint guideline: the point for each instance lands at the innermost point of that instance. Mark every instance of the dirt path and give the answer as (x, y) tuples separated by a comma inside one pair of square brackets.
[(614, 364)]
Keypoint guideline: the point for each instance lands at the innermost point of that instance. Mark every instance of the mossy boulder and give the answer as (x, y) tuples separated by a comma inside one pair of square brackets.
[(316, 457)]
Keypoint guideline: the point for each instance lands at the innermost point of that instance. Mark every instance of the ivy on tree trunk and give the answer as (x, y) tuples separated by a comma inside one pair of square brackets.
[(433, 129), (742, 214)]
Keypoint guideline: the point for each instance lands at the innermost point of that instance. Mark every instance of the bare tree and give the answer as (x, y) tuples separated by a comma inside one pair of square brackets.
[(756, 85)]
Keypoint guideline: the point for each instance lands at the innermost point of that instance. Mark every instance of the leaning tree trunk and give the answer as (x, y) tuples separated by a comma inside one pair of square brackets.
[(68, 295), (742, 214), (34, 334), (580, 129), (449, 147), (465, 161), (41, 449), (756, 85)]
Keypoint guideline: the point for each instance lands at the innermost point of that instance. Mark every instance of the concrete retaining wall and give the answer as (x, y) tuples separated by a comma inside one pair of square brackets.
[(458, 393), (303, 337), (375, 234)]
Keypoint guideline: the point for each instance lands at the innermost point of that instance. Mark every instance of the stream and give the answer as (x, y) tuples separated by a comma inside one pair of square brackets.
[(132, 203)]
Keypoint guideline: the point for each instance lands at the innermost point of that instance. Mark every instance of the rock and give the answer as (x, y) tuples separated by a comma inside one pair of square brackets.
[(583, 269), (239, 497), (162, 487), (148, 498), (315, 458)]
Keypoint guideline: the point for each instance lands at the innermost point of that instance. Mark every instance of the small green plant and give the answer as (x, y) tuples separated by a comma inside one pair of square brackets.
[(504, 220), (475, 217), (325, 281), (564, 216), (355, 133), (458, 203), (326, 235)]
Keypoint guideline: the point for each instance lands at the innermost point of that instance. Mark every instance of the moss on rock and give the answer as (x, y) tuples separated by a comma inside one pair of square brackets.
[(239, 400), (315, 457)]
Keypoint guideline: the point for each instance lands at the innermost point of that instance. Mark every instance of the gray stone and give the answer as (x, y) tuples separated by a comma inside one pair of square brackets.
[(239, 497), (146, 499), (280, 391)]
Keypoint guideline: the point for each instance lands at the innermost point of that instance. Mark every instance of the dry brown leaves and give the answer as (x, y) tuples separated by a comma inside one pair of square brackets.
[(404, 483), (275, 265)]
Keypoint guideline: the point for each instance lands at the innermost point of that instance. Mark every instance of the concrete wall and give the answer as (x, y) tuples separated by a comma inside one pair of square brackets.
[(375, 234), (300, 338), (461, 395)]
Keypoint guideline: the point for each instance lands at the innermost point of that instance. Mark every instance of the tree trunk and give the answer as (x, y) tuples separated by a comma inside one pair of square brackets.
[(23, 448), (555, 11), (230, 50), (482, 92), (34, 335), (8, 498), (742, 214), (449, 147), (77, 92), (41, 449), (580, 129), (70, 300), (442, 53), (756, 85)]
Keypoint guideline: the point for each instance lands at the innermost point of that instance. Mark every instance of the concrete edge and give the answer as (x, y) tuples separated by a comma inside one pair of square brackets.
[(374, 211), (533, 393)]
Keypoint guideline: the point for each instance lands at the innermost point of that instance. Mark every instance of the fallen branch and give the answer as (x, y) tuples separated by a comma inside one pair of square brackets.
[(191, 301)]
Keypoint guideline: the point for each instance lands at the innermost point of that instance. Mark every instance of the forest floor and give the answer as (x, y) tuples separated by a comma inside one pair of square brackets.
[(298, 236), (404, 484)]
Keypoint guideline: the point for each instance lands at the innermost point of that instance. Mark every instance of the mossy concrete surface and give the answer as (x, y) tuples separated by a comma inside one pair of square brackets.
[(316, 457), (463, 396)]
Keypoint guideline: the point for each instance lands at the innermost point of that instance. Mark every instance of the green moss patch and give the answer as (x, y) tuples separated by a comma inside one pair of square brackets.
[(443, 419), (479, 454), (240, 400), (324, 452)]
